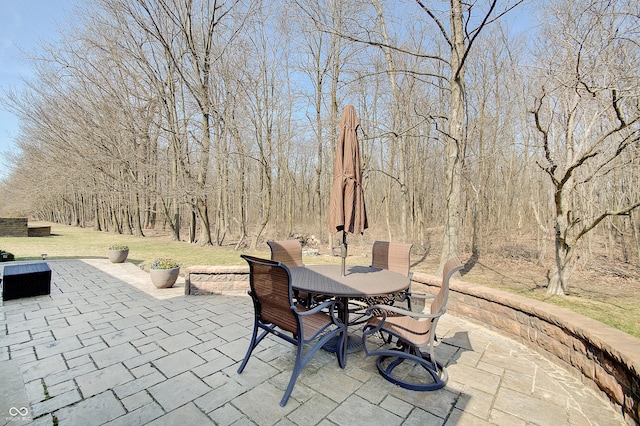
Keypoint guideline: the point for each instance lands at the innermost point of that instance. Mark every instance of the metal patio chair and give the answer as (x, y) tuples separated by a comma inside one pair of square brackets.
[(394, 257), (289, 252), (277, 314), (416, 334)]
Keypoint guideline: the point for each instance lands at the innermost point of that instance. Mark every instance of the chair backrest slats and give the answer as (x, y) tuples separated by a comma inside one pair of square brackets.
[(392, 256), (270, 284), (288, 252)]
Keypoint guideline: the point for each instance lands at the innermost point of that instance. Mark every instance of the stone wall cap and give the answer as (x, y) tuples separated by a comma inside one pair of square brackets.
[(618, 344), (216, 269)]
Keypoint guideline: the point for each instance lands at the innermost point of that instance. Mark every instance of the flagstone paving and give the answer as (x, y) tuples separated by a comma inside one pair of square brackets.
[(107, 347)]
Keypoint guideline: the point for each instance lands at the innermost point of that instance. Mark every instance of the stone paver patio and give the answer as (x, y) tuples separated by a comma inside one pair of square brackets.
[(107, 347)]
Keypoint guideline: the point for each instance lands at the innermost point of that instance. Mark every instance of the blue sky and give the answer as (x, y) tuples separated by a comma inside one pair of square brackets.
[(22, 24)]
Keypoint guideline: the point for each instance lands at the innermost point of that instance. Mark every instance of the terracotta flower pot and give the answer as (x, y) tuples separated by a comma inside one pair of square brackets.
[(118, 256), (164, 278)]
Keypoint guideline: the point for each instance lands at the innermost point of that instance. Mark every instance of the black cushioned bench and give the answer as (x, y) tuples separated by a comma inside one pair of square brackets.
[(26, 280)]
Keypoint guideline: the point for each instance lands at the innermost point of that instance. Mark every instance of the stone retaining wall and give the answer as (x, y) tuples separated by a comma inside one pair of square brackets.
[(604, 358), (200, 280), (14, 227)]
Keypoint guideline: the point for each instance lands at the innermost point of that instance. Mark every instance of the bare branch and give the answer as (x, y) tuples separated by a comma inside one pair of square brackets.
[(437, 21), (551, 168), (473, 39), (621, 212)]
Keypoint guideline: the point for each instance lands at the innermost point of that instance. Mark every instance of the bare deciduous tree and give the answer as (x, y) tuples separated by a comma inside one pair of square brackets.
[(588, 117)]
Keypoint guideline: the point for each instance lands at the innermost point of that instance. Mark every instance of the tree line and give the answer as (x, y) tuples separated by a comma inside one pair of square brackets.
[(217, 121)]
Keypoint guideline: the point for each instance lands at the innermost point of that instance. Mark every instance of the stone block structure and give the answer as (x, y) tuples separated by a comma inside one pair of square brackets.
[(14, 227), (39, 231), (19, 227), (200, 280)]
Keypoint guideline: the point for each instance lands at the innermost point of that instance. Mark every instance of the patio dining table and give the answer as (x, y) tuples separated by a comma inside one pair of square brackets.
[(358, 281)]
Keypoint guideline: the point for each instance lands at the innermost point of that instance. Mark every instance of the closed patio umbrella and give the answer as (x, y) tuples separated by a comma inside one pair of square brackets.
[(347, 212)]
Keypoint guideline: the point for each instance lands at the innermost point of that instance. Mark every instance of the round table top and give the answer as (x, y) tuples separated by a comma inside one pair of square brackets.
[(358, 281)]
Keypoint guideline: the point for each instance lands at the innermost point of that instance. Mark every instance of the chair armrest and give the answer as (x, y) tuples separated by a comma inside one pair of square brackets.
[(332, 305), (412, 295), (317, 308), (386, 308)]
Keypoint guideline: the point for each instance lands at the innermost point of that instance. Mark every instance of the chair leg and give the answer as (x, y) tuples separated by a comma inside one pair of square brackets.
[(297, 368), (303, 359), (254, 342), (342, 353)]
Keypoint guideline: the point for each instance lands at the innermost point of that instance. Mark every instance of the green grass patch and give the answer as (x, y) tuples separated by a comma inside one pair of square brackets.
[(68, 242), (615, 312)]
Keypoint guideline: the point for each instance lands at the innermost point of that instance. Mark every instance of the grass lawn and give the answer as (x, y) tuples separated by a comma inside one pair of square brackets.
[(68, 242)]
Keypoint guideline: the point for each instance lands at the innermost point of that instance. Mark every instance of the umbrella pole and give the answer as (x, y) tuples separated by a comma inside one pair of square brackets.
[(343, 250)]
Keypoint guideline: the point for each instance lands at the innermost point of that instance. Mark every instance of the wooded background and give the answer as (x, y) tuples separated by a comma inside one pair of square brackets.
[(217, 121)]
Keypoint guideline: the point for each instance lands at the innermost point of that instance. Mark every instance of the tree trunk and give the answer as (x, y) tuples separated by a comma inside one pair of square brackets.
[(636, 236), (267, 209), (399, 142), (192, 226), (96, 214), (205, 226), (564, 261), (456, 139), (138, 215)]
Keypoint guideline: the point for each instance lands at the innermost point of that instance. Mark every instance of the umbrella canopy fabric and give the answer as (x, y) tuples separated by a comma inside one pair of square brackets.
[(347, 211)]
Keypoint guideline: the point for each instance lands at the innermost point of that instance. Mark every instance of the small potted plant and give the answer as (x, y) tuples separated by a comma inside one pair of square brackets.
[(164, 272), (118, 253)]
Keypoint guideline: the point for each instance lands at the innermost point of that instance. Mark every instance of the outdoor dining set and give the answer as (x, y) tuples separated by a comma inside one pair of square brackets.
[(311, 306)]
